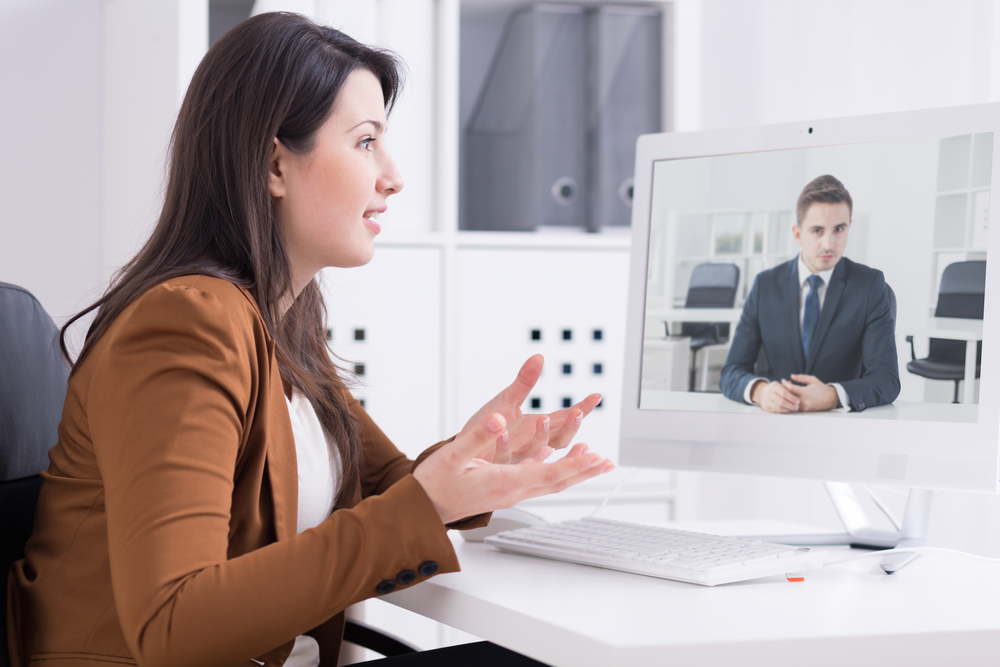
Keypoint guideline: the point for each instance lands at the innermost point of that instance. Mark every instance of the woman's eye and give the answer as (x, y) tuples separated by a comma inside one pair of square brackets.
[(366, 143)]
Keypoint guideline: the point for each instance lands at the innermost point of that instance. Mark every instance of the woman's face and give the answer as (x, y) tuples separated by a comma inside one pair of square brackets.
[(328, 200)]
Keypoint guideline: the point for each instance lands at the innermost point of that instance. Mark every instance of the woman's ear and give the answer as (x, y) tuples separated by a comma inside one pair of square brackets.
[(276, 173)]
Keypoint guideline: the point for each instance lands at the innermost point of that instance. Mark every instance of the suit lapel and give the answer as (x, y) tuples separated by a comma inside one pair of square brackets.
[(833, 293), (790, 294)]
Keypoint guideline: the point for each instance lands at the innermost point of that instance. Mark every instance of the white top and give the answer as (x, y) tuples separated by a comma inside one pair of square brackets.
[(319, 481)]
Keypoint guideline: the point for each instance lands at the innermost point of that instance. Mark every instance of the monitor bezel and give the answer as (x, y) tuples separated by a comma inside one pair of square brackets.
[(840, 447)]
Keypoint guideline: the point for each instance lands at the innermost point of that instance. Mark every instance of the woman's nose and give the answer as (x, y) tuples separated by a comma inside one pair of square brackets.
[(390, 180)]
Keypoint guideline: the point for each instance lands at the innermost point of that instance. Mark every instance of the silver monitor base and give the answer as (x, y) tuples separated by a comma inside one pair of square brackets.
[(861, 535)]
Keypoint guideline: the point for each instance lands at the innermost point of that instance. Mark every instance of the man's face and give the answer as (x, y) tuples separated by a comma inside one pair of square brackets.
[(823, 235)]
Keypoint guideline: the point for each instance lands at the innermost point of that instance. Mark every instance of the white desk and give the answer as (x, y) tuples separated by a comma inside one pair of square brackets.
[(666, 362), (678, 315), (953, 328), (940, 610), (656, 399)]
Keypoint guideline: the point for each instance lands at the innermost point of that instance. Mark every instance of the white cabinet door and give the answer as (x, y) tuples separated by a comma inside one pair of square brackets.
[(394, 304), (574, 299)]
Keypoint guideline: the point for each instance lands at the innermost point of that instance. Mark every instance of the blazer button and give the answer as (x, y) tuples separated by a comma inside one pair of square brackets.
[(861, 406), (428, 568), (406, 577), (386, 586)]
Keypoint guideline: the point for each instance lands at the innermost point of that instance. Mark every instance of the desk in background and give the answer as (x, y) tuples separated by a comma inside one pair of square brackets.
[(674, 316), (937, 611), (659, 362), (653, 399)]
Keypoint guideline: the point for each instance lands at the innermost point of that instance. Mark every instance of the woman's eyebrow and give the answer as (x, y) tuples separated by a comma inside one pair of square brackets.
[(378, 125)]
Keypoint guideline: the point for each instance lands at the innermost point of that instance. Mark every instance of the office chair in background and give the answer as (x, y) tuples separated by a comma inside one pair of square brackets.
[(33, 376), (961, 294), (711, 286)]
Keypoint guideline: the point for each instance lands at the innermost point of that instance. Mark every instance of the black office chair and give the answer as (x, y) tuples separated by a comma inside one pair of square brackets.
[(961, 295), (33, 377), (711, 286)]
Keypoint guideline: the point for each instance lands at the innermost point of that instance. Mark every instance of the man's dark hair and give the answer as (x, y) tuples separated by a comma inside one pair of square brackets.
[(822, 190)]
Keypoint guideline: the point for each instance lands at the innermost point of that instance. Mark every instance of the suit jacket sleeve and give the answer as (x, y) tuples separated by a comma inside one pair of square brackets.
[(738, 369), (879, 381), (167, 410)]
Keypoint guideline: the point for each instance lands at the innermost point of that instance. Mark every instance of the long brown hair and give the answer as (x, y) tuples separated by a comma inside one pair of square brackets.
[(273, 75)]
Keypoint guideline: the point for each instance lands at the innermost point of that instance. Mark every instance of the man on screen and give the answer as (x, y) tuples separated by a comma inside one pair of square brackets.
[(823, 321)]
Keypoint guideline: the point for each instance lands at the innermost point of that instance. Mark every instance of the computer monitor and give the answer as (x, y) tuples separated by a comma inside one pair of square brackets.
[(921, 182)]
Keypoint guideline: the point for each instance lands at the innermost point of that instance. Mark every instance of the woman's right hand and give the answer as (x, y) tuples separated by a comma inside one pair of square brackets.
[(461, 485)]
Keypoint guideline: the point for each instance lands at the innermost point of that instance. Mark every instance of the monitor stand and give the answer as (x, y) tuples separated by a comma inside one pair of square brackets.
[(860, 533)]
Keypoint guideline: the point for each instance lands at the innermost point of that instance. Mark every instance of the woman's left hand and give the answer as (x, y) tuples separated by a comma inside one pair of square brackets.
[(530, 436)]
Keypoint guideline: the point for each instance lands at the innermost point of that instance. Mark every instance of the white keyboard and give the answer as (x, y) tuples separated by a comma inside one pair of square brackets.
[(658, 552)]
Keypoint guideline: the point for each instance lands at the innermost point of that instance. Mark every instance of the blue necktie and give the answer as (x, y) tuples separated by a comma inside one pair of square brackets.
[(811, 315)]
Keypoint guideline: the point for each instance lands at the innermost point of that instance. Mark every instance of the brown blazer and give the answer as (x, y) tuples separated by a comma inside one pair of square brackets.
[(165, 530)]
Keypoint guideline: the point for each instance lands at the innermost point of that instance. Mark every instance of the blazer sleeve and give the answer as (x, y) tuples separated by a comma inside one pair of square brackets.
[(168, 407), (385, 464), (879, 381), (738, 369)]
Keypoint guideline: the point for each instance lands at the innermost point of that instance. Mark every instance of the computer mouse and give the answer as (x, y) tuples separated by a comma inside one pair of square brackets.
[(508, 519)]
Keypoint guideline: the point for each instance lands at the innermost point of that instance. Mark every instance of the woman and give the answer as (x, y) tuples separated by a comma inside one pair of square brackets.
[(186, 515)]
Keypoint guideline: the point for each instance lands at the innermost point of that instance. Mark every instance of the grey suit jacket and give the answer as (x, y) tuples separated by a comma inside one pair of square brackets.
[(854, 343)]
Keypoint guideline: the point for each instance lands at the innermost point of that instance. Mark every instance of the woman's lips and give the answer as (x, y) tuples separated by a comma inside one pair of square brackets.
[(369, 218)]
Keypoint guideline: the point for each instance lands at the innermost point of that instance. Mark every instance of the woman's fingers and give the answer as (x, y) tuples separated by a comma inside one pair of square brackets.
[(460, 484), (525, 381), (539, 439), (565, 434), (565, 423), (472, 444), (508, 402), (540, 456), (538, 479), (582, 476), (501, 452)]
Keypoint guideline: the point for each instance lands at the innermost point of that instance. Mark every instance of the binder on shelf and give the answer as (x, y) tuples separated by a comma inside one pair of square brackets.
[(551, 140)]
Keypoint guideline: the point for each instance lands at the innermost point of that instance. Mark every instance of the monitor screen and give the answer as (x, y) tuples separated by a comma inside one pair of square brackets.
[(811, 299)]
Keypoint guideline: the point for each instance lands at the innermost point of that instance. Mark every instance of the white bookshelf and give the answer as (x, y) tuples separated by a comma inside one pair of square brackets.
[(962, 203)]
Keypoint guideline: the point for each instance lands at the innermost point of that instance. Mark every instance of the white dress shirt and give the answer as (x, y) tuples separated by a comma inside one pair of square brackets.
[(319, 481), (804, 273)]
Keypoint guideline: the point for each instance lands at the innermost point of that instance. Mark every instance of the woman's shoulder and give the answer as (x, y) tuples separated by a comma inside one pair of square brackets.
[(214, 306)]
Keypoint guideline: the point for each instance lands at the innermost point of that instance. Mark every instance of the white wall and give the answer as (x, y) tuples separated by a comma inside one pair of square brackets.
[(50, 75), (767, 61), (151, 50)]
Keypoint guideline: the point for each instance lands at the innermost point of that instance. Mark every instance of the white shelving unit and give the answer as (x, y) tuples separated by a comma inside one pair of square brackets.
[(752, 240), (962, 206)]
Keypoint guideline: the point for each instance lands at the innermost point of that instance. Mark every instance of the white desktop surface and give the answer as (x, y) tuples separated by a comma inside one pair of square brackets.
[(731, 315), (940, 610), (658, 399), (952, 328)]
